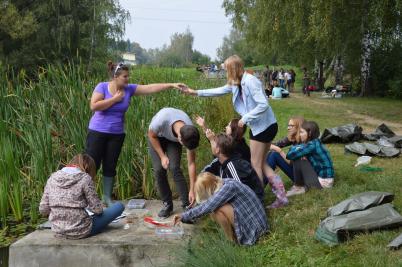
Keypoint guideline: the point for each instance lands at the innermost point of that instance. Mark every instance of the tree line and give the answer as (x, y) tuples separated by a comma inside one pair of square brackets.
[(38, 32), (361, 38), (35, 33), (178, 53)]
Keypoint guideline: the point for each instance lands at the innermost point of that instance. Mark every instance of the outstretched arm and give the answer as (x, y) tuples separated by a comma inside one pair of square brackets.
[(156, 88), (208, 92)]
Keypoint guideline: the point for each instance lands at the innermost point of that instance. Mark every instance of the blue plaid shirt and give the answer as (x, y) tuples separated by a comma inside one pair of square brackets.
[(249, 214), (318, 156)]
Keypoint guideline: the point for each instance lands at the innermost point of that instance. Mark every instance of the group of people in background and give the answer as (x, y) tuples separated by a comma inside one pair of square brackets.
[(230, 187), (279, 78)]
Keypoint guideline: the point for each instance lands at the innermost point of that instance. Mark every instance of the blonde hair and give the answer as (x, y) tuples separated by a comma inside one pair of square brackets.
[(86, 163), (206, 185), (234, 69), (295, 135)]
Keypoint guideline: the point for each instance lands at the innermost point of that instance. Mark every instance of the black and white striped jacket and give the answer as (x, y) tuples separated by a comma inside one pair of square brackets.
[(238, 169)]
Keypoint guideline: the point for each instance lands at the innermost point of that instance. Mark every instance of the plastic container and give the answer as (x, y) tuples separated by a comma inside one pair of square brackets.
[(363, 160), (169, 232), (136, 204)]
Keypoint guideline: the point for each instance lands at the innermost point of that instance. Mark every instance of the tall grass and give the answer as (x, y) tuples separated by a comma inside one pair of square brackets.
[(44, 123)]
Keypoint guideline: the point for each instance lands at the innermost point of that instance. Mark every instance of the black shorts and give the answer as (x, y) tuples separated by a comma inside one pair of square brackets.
[(267, 135)]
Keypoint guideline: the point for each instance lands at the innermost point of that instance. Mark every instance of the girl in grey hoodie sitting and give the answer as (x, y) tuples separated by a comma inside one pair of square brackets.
[(69, 193)]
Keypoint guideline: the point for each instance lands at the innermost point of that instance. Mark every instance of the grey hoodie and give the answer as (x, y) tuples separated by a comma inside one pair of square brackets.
[(67, 193)]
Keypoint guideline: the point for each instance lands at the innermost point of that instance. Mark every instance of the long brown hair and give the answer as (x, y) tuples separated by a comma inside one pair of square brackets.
[(312, 129), (86, 163), (237, 132), (295, 135), (234, 69)]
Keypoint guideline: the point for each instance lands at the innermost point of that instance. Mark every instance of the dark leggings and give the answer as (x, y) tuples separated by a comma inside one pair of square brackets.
[(105, 148), (275, 159), (173, 152), (304, 174)]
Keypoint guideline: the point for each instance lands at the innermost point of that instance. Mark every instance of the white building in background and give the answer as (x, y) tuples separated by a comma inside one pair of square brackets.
[(129, 58)]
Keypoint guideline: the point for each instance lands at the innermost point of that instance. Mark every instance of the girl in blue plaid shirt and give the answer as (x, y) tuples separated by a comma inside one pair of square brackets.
[(232, 204), (315, 169)]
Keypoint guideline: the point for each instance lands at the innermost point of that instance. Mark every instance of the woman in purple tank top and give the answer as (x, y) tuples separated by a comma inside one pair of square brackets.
[(109, 102)]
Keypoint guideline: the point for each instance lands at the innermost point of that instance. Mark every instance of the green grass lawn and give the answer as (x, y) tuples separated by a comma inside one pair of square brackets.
[(291, 240)]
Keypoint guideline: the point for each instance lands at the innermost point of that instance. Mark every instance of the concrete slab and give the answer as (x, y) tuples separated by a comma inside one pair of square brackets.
[(116, 246)]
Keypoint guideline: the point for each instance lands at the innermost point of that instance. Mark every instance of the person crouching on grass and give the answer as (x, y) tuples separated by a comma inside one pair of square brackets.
[(67, 195), (233, 205)]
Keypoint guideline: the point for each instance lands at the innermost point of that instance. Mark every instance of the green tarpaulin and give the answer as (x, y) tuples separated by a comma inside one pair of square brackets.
[(360, 213)]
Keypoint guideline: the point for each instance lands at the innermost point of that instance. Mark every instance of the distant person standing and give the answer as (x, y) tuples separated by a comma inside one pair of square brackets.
[(267, 75), (274, 77), (288, 79), (281, 78), (306, 82), (292, 84)]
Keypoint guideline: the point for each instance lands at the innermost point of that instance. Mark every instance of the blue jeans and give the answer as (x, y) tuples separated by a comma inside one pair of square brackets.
[(275, 159), (99, 222), (282, 83)]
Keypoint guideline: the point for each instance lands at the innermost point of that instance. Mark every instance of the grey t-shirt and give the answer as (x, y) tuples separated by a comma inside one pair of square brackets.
[(162, 122)]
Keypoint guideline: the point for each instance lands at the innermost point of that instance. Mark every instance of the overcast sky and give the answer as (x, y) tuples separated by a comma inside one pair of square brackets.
[(154, 21)]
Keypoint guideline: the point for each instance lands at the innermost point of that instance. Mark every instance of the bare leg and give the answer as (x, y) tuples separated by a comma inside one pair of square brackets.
[(224, 216), (258, 152), (268, 171)]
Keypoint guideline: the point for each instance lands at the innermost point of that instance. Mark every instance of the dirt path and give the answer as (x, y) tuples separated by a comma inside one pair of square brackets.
[(395, 127), (371, 122)]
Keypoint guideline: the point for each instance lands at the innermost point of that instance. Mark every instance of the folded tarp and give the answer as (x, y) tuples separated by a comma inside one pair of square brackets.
[(396, 243), (360, 201), (395, 140), (373, 150), (336, 229), (343, 134), (381, 131)]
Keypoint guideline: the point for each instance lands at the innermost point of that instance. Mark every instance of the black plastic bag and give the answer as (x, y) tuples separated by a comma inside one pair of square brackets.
[(343, 134), (381, 131)]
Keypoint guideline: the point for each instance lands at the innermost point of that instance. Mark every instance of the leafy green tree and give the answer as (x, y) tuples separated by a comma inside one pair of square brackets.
[(60, 31), (303, 32)]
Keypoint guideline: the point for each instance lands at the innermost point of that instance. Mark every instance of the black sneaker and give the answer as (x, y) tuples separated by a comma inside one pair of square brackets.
[(166, 211)]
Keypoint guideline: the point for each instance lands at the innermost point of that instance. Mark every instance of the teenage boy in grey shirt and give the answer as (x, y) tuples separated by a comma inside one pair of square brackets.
[(169, 129)]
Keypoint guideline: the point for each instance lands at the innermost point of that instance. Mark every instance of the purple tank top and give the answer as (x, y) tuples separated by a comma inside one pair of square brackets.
[(111, 120)]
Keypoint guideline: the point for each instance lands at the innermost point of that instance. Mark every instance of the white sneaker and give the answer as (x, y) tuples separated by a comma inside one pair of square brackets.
[(296, 190)]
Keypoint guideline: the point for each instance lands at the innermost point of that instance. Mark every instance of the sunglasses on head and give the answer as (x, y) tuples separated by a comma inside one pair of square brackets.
[(119, 66)]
